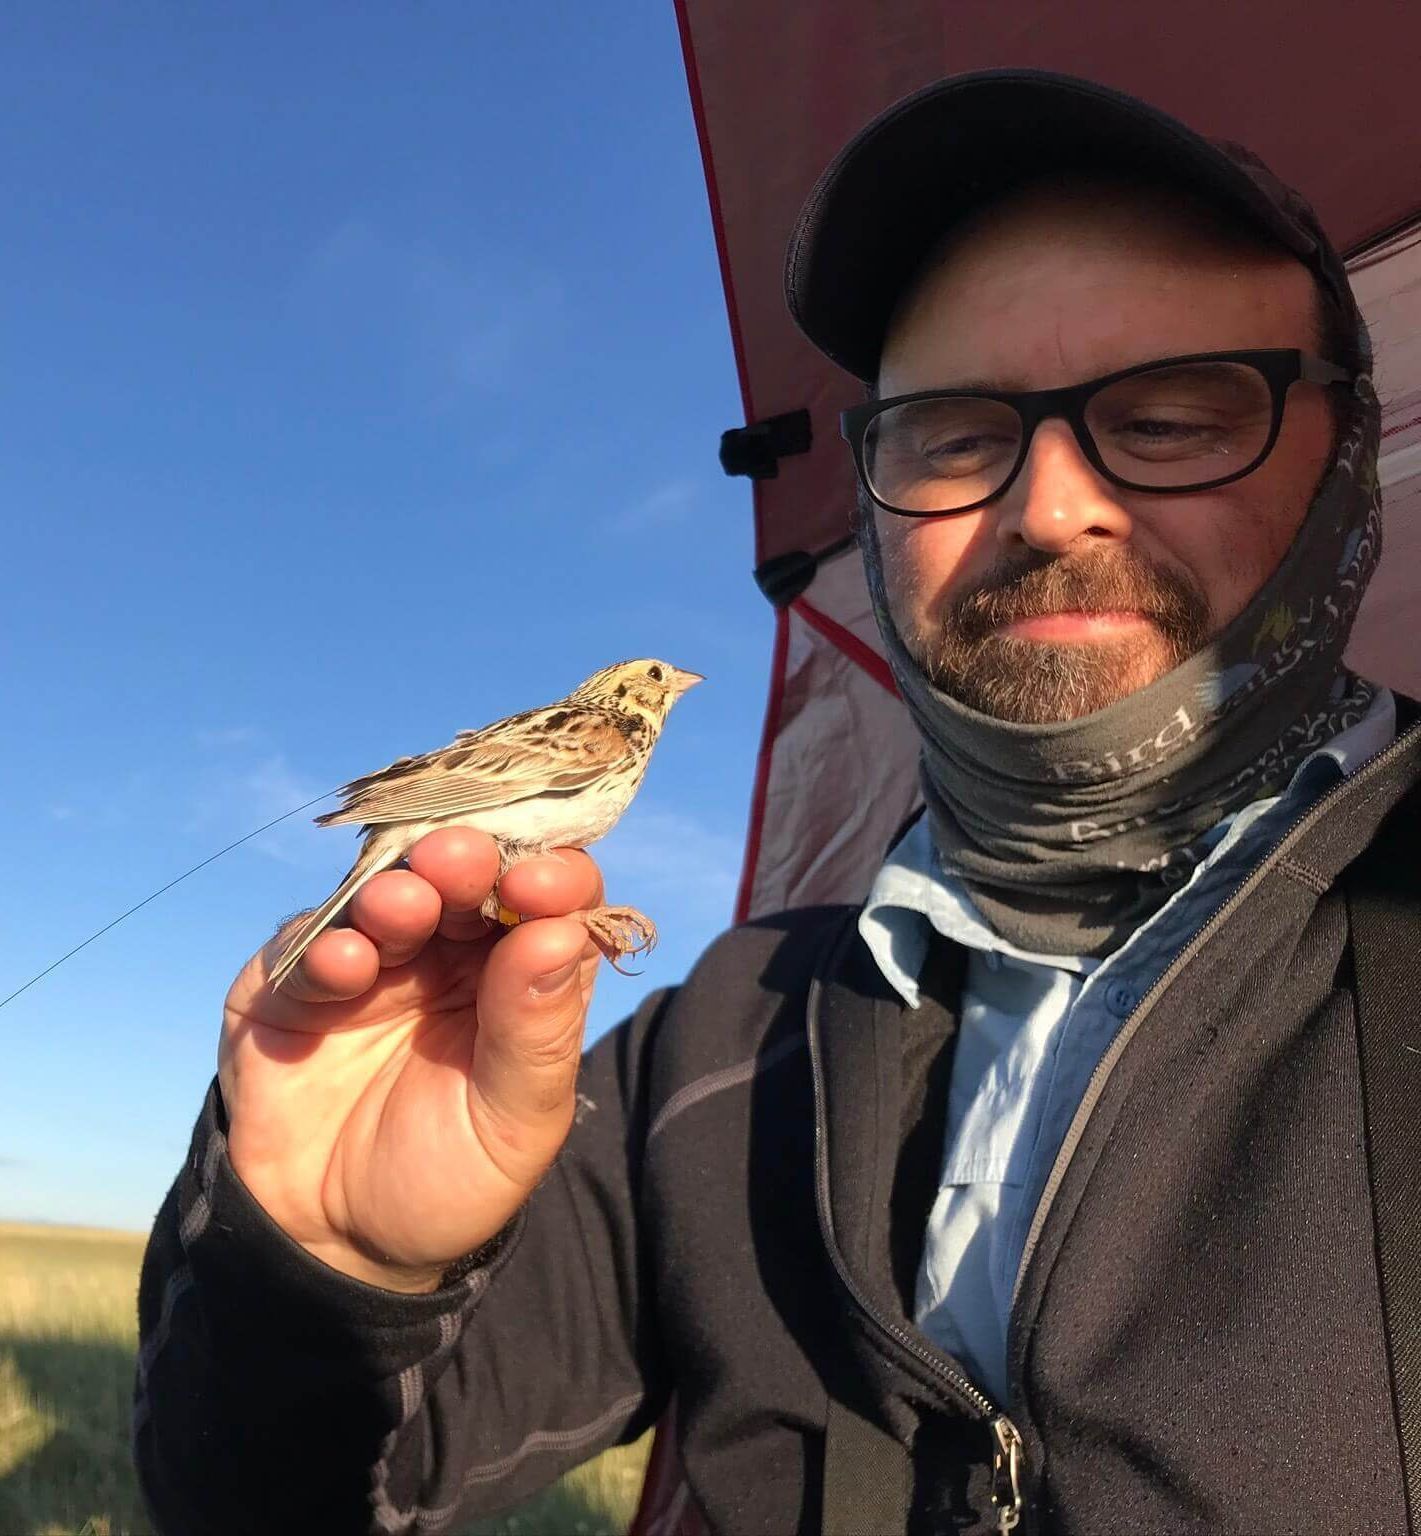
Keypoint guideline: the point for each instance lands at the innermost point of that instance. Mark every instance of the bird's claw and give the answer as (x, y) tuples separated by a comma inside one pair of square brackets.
[(618, 932)]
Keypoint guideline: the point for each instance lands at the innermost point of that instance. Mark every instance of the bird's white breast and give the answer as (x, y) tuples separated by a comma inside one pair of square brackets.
[(548, 821)]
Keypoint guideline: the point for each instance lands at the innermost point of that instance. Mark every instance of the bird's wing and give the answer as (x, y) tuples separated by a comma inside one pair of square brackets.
[(557, 750)]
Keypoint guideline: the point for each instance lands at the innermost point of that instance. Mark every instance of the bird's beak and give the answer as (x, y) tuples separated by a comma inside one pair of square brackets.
[(686, 680)]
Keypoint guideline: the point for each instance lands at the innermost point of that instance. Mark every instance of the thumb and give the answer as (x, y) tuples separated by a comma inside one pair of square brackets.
[(532, 1007)]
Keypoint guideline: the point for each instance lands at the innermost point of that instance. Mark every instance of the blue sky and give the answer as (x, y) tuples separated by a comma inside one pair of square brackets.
[(365, 369)]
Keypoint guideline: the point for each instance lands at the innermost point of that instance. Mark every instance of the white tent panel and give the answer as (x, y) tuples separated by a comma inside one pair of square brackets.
[(842, 777), (1385, 641)]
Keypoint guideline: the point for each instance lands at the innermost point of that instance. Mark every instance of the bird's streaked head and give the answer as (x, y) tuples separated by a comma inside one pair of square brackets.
[(648, 686)]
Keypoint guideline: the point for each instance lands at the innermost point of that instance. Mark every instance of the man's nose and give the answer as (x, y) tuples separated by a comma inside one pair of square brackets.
[(1059, 499)]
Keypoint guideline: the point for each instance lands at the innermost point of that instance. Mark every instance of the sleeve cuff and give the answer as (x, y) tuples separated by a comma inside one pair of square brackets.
[(246, 1264)]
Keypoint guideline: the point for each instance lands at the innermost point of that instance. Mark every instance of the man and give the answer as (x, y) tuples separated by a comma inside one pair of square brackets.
[(1028, 1196)]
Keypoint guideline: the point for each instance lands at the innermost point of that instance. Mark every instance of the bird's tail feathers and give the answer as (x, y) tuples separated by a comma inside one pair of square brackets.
[(341, 816), (378, 853)]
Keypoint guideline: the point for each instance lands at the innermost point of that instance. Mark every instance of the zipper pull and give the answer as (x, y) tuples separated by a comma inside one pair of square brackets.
[(1007, 1462)]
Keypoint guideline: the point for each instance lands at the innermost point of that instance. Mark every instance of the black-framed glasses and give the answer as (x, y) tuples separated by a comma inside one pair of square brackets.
[(1175, 425)]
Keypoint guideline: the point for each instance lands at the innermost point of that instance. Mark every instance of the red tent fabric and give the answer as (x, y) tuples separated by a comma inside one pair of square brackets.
[(1327, 98)]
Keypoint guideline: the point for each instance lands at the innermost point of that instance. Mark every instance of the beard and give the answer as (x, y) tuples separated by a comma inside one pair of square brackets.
[(1029, 682)]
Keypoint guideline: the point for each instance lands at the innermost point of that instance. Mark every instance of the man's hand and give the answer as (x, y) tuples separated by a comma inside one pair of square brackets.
[(395, 1103)]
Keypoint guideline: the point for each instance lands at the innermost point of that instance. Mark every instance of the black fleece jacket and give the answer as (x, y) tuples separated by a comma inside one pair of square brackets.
[(1196, 1341)]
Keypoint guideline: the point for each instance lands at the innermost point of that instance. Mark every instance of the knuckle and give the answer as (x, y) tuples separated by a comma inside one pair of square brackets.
[(465, 842), (389, 882), (401, 892), (301, 987)]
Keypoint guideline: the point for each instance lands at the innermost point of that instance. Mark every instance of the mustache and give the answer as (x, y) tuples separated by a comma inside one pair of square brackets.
[(1040, 584)]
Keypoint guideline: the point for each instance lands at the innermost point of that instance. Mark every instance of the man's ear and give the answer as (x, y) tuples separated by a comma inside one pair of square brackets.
[(863, 508)]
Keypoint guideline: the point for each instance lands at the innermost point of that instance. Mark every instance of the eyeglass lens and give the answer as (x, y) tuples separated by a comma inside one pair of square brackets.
[(1168, 428)]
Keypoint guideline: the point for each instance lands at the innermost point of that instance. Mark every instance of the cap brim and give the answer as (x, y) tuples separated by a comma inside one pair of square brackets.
[(900, 183)]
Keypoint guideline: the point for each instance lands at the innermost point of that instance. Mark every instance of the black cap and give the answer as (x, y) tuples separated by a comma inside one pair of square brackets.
[(934, 156)]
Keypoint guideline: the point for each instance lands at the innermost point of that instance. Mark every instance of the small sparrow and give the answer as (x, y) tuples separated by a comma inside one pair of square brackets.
[(556, 777)]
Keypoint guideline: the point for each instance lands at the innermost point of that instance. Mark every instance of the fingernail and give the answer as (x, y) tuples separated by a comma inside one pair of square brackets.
[(556, 980)]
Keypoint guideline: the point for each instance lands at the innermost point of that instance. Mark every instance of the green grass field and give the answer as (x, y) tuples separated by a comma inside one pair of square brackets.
[(68, 1335)]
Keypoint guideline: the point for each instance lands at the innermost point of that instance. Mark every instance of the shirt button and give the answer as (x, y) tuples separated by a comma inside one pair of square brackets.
[(1120, 998)]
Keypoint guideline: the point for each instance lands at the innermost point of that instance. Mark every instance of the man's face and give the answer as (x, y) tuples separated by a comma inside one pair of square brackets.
[(1049, 289)]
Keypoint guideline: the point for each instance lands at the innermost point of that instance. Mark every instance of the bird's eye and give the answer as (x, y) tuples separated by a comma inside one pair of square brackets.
[(654, 673)]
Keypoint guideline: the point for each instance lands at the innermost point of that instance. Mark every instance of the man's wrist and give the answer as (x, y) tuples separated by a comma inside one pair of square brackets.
[(485, 1253), (410, 1280)]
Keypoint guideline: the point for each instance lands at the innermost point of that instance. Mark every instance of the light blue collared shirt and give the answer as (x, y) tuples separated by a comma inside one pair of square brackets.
[(1032, 1030)]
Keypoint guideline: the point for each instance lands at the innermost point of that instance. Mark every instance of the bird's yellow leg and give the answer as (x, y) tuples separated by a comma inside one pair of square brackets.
[(495, 911), (616, 931)]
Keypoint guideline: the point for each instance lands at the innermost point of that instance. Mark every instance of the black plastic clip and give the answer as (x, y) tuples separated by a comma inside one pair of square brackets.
[(783, 577), (757, 449)]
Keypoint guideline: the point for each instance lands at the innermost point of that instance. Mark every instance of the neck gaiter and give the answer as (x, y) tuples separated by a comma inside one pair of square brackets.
[(1069, 835)]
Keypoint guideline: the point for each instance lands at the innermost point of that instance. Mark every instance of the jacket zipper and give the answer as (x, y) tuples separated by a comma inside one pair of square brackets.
[(1366, 769), (1007, 1467), (1008, 1460)]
